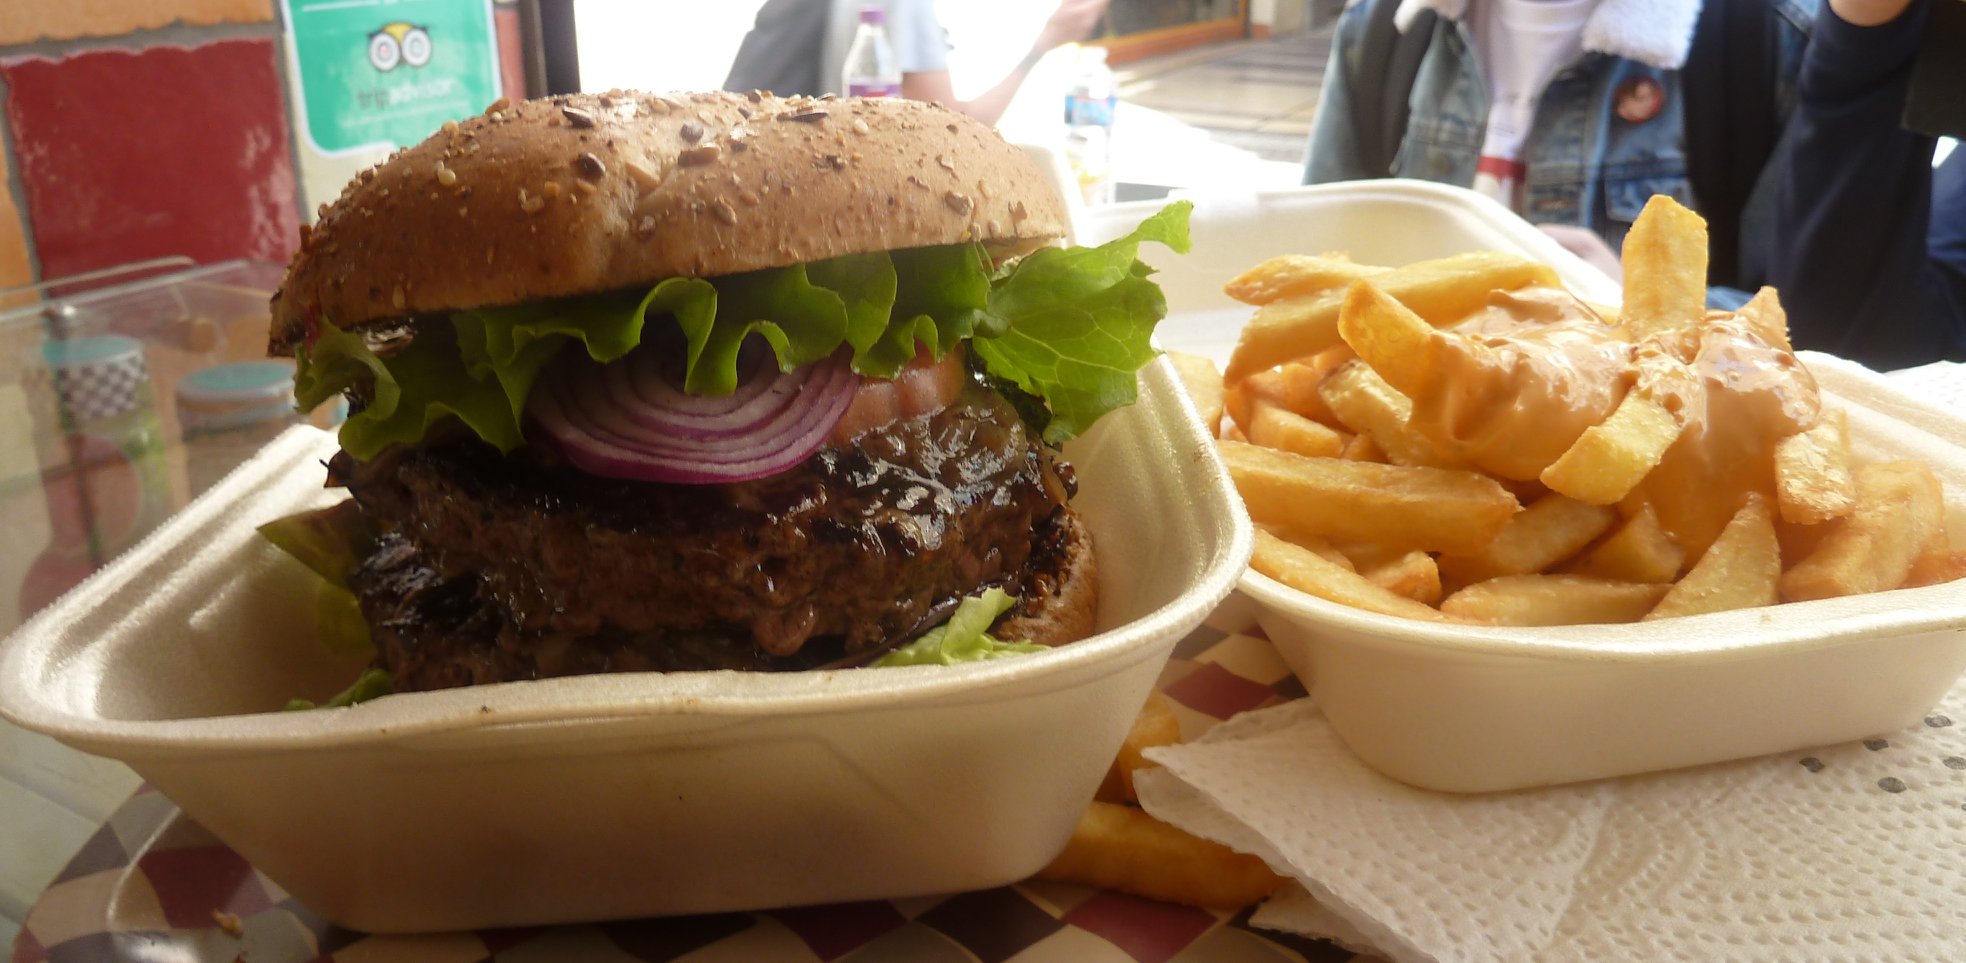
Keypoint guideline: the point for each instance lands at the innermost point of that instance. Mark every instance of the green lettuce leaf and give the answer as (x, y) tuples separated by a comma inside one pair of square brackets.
[(331, 542), (1075, 335), (965, 637), (373, 683), (510, 345), (1069, 326)]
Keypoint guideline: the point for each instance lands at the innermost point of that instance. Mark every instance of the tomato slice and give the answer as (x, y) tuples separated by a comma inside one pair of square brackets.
[(923, 386)]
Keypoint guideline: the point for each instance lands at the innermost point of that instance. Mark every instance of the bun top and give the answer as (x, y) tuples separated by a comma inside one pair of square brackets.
[(593, 192)]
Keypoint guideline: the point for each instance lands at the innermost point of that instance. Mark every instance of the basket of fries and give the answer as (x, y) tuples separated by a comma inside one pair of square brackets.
[(1517, 530)]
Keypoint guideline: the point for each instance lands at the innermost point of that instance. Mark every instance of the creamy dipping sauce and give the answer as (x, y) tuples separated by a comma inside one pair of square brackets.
[(1517, 382)]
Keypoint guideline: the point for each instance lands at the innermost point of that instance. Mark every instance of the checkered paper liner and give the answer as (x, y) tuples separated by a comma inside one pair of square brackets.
[(152, 884)]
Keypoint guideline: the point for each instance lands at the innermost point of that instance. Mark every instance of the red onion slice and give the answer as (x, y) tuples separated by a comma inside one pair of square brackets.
[(629, 420)]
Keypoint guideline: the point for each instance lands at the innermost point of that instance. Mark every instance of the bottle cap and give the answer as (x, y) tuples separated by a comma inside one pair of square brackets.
[(873, 13), (97, 377), (234, 395)]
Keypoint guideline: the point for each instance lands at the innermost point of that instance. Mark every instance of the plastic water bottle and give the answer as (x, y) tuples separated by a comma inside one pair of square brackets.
[(1090, 104), (871, 70)]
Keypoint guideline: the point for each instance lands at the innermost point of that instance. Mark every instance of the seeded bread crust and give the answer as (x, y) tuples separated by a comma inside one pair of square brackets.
[(592, 192)]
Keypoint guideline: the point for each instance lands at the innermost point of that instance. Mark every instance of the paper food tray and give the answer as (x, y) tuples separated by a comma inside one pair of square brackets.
[(625, 795)]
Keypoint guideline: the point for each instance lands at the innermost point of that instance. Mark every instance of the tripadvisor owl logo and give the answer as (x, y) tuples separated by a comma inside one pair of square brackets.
[(399, 43)]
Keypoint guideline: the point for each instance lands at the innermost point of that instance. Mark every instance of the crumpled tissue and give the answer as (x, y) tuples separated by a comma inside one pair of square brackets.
[(1855, 851)]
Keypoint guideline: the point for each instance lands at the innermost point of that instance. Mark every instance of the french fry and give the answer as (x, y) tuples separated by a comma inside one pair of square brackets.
[(1295, 275), (1739, 570), (1936, 565), (1550, 530), (1122, 848), (1813, 483), (1156, 725), (1441, 291), (1639, 551), (1899, 515), (1274, 427), (1363, 448), (1313, 574), (1203, 382), (1300, 384), (1239, 399), (1766, 318), (1363, 402), (1609, 460), (1388, 336), (1551, 600), (1665, 262), (1425, 508), (1415, 575), (1316, 544), (1368, 555)]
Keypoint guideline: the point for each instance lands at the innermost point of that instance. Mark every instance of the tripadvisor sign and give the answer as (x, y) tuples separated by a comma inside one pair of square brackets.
[(385, 73)]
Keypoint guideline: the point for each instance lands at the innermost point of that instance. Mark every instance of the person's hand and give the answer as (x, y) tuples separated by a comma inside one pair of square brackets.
[(1072, 21), (1584, 242), (1868, 13)]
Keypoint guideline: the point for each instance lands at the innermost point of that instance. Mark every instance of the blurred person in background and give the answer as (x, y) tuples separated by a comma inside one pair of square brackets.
[(800, 47), (1776, 120)]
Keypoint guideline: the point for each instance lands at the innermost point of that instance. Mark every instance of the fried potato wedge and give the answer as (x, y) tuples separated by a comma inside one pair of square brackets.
[(1122, 848), (1552, 600), (1935, 565), (1441, 291), (1552, 529), (1766, 318), (1313, 574), (1432, 509), (1415, 575), (1388, 336), (1275, 427), (1899, 515), (1239, 400), (1611, 457), (1813, 481), (1364, 403), (1741, 569), (1638, 551), (1295, 275), (1665, 262), (1156, 725)]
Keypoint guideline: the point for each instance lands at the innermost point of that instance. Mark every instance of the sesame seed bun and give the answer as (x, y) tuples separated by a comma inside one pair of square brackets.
[(593, 192)]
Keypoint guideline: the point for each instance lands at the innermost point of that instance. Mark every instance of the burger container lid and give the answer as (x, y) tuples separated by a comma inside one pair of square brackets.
[(1472, 708), (626, 795)]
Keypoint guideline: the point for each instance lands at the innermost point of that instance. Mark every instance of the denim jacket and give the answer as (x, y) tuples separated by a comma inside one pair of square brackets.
[(1585, 165)]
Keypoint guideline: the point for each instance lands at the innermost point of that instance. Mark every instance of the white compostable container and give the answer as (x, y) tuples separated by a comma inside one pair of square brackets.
[(1467, 708)]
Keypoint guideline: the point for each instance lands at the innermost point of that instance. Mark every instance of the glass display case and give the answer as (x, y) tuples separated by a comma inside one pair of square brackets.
[(123, 395)]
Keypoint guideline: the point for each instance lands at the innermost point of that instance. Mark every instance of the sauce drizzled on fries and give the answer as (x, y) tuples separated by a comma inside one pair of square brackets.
[(1515, 384)]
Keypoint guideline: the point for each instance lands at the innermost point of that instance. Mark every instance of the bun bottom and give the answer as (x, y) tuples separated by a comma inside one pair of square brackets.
[(1064, 604)]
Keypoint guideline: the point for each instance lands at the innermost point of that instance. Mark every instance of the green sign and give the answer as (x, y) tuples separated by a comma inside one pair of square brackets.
[(388, 73)]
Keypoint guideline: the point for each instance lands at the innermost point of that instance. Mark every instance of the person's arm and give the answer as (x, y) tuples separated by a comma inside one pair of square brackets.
[(1335, 153), (1072, 21), (1854, 197)]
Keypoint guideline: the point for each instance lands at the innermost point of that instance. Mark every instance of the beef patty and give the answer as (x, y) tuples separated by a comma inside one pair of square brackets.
[(494, 567)]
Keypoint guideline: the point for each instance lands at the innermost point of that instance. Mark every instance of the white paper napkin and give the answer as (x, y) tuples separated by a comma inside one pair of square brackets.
[(1852, 852)]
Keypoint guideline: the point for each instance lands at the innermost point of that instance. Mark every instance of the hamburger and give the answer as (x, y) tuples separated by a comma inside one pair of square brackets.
[(707, 381)]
